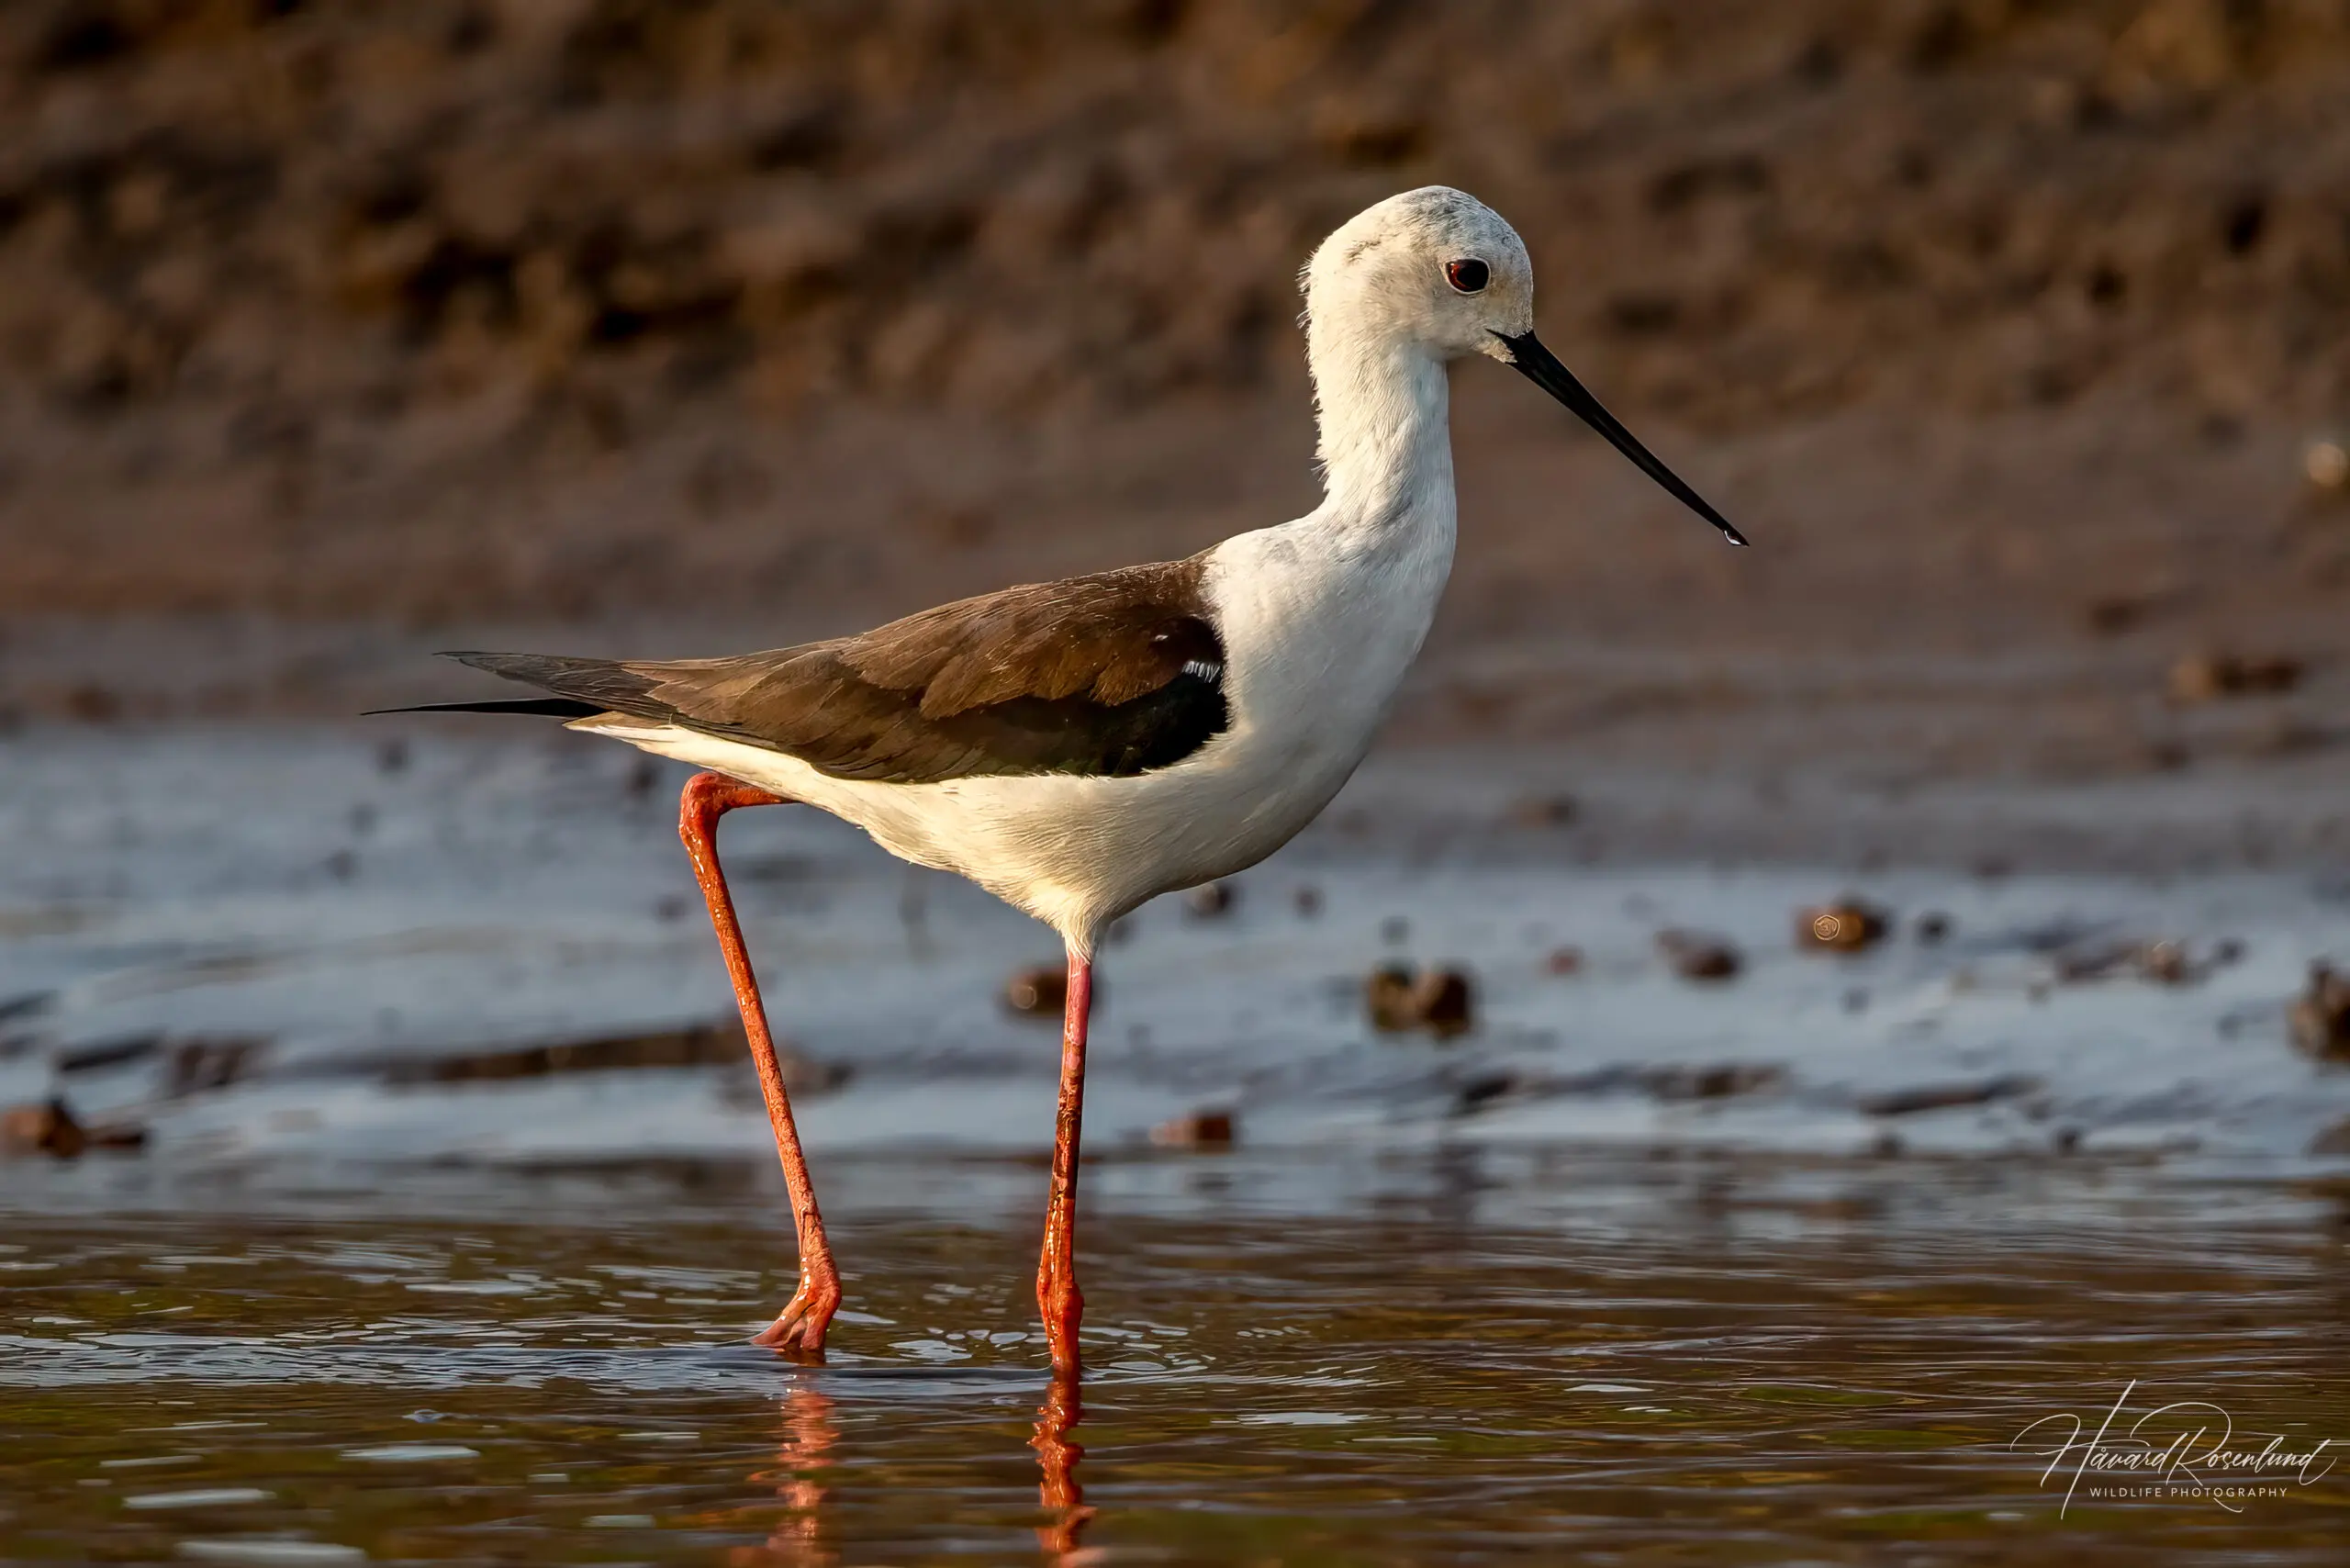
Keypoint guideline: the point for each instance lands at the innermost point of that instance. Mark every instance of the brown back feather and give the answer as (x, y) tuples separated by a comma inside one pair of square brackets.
[(1088, 674)]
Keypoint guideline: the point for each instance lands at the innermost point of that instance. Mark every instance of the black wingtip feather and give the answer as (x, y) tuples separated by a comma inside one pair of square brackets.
[(541, 707)]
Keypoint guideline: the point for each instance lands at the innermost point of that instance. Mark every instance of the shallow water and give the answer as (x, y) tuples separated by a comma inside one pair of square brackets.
[(1673, 1360), (1635, 1270)]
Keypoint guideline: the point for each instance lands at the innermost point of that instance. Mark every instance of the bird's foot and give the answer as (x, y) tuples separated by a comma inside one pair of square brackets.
[(800, 1332)]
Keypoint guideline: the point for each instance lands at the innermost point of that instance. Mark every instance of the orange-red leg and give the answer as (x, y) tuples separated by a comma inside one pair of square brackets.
[(801, 1329), (1057, 1293)]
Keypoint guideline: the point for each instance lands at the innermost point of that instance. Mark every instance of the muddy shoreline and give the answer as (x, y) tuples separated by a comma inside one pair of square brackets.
[(277, 944)]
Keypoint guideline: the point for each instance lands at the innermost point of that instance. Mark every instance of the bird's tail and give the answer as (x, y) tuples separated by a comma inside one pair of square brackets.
[(582, 687)]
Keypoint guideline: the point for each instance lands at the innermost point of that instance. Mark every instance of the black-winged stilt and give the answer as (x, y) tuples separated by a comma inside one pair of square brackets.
[(1078, 747)]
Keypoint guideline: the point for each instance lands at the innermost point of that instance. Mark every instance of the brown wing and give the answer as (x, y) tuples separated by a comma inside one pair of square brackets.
[(1117, 673)]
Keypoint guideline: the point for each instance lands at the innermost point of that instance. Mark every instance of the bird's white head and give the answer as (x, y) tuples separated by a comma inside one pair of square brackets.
[(1430, 275), (1434, 268)]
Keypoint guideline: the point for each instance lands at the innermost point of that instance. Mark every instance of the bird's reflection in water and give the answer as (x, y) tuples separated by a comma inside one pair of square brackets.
[(1057, 1458), (802, 1459), (805, 1455)]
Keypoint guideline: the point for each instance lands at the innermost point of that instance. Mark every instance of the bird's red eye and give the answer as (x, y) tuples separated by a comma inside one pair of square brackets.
[(1467, 278)]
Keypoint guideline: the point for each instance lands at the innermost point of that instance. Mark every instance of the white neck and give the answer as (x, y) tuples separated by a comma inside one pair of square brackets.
[(1386, 443)]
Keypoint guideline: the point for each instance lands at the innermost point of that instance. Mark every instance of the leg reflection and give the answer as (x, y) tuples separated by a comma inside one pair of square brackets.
[(804, 1455), (1057, 1458)]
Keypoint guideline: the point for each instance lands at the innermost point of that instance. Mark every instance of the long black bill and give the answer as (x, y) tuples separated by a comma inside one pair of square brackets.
[(1540, 366)]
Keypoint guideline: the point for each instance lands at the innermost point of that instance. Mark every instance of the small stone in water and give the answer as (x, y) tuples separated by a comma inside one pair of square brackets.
[(1848, 925), (1210, 900), (1200, 1129), (2320, 1015), (1696, 957), (1542, 811), (48, 1129), (2204, 677), (1439, 1001), (2165, 963), (1041, 992)]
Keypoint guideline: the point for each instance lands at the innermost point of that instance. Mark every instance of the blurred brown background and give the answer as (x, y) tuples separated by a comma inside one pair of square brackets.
[(2004, 327)]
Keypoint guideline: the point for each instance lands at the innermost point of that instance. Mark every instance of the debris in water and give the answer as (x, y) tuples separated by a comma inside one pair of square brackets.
[(1394, 931), (1563, 961), (2320, 1015), (1200, 1129), (392, 756), (1307, 900), (51, 1128), (209, 1062), (1848, 925), (48, 1129), (1041, 992), (1933, 927), (1210, 901), (1439, 1001), (1542, 811), (95, 1056), (1946, 1096), (699, 1045), (1696, 957), (2205, 678), (2165, 963), (1715, 1082), (1481, 1091)]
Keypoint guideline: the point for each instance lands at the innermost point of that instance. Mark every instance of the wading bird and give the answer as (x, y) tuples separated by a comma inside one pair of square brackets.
[(1078, 747)]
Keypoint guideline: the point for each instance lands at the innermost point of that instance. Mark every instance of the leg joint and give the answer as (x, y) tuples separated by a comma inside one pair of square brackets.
[(709, 796)]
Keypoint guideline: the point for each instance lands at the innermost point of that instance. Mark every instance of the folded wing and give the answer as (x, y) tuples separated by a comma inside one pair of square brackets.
[(1115, 674)]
